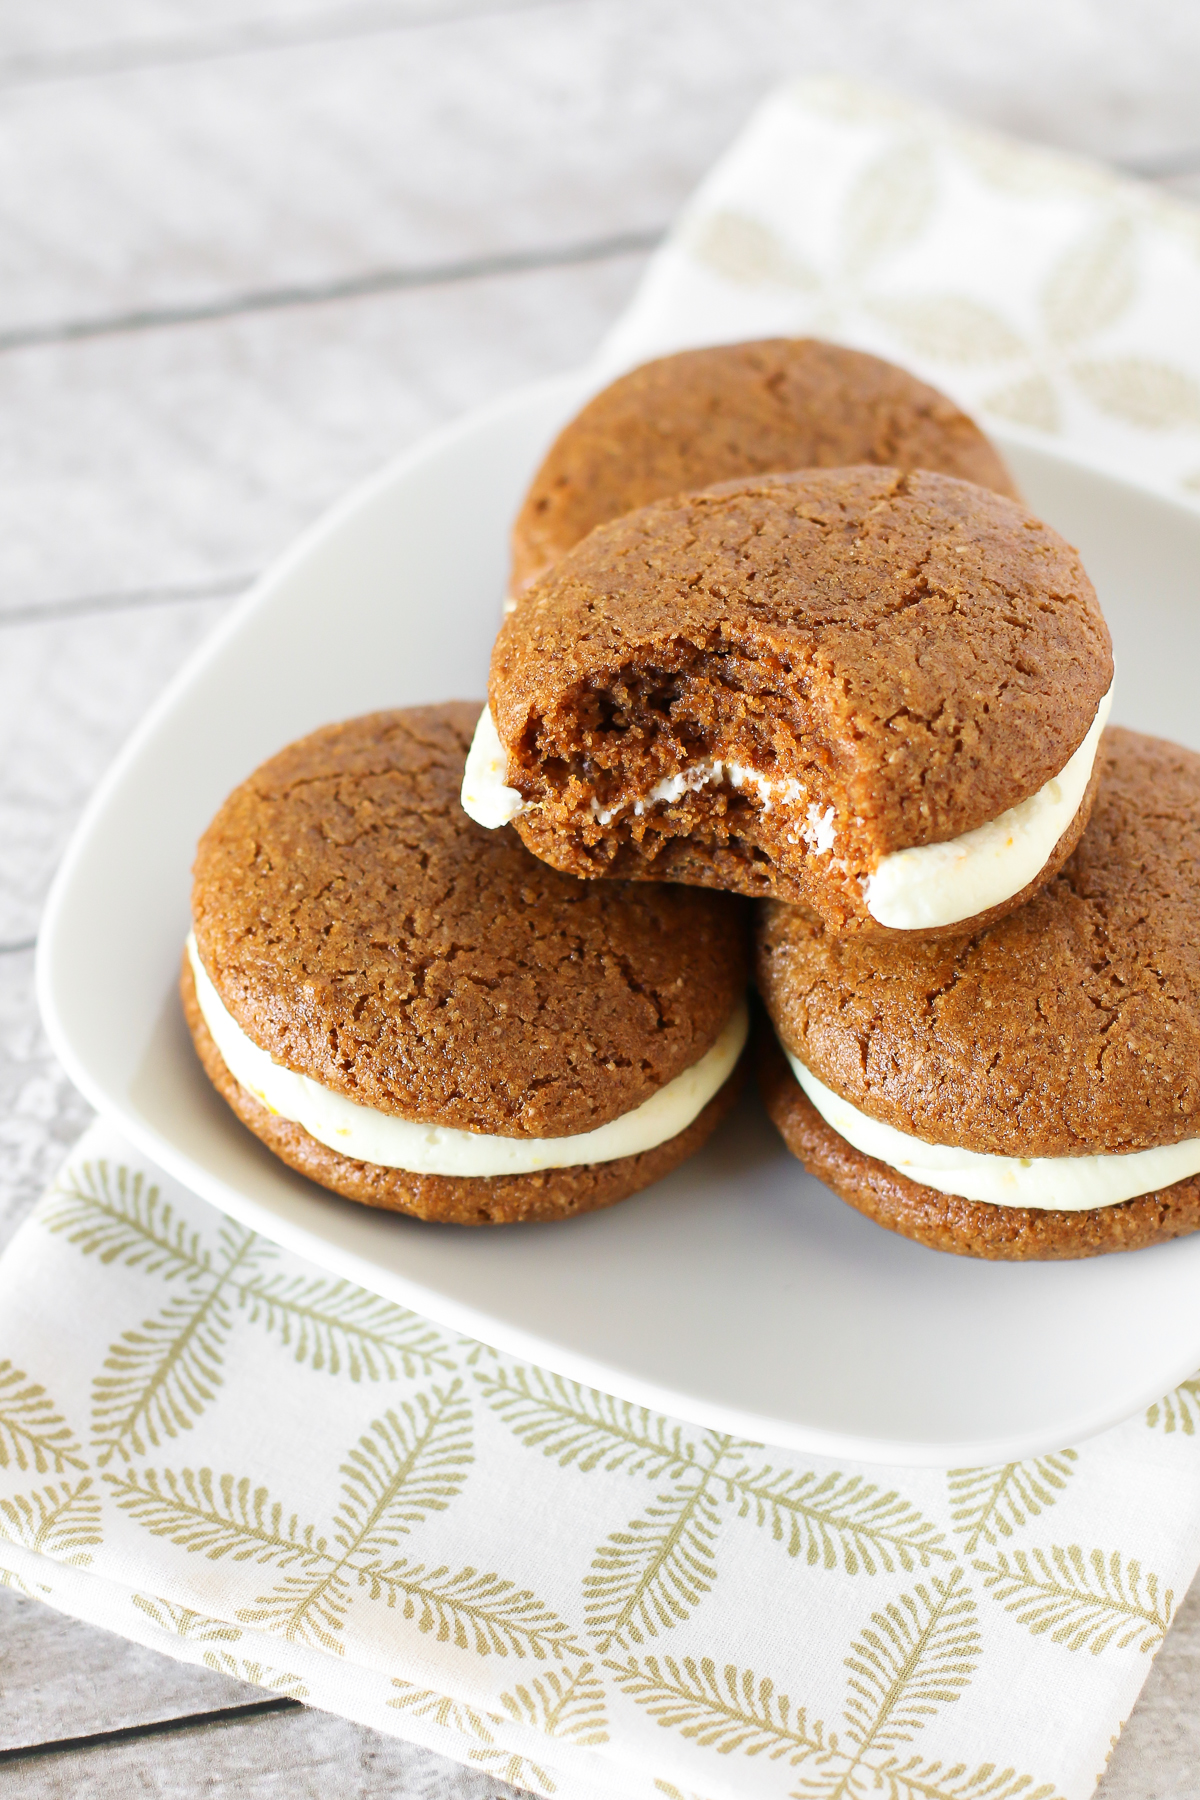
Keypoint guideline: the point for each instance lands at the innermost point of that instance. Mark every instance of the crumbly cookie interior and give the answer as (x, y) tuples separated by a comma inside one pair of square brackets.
[(708, 759)]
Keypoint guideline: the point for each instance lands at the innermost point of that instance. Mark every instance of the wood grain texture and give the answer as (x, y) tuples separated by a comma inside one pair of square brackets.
[(41, 1114), (71, 690), (280, 1756), (154, 459), (249, 157), (112, 1684), (186, 183), (75, 38)]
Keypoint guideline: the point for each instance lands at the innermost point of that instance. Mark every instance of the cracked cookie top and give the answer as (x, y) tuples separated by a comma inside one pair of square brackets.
[(364, 932), (1071, 1028), (733, 410), (901, 657)]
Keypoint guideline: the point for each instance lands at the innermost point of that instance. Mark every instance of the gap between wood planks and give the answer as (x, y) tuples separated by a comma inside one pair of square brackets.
[(178, 593), (352, 287), (347, 287), (97, 1740)]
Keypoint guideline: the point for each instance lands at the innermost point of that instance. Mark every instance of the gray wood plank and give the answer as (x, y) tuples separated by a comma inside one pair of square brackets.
[(1184, 186), (61, 1679), (1158, 1754), (160, 458), (514, 130), (74, 38), (41, 1114), (71, 690), (289, 1756)]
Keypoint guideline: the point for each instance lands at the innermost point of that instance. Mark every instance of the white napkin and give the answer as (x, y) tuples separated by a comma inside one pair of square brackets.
[(214, 1448), (217, 1450), (1037, 289)]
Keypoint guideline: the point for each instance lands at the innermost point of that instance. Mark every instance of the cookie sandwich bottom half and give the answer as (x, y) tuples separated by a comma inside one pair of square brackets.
[(421, 1017), (1031, 1091), (437, 1172)]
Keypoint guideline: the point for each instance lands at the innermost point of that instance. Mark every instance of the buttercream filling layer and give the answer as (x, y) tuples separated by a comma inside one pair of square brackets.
[(939, 884), (1046, 1183), (926, 886), (368, 1135)]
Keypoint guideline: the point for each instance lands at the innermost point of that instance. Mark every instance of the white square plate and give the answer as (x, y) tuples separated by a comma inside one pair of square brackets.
[(739, 1293)]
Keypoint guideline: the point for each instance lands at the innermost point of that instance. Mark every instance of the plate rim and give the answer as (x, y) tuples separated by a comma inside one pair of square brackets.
[(760, 1429)]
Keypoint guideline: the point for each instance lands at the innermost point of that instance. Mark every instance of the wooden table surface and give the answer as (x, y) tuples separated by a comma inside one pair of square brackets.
[(248, 250)]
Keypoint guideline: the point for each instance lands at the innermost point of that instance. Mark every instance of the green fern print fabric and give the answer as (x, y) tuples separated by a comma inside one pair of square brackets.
[(1043, 292), (222, 1452)]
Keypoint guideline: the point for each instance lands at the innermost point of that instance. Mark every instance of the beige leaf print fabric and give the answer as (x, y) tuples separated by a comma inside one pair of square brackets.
[(223, 1453), (1054, 299)]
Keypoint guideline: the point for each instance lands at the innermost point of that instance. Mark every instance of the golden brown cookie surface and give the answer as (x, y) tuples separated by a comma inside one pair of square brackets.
[(902, 657), (946, 1222), (364, 932), (1070, 1028), (686, 421)]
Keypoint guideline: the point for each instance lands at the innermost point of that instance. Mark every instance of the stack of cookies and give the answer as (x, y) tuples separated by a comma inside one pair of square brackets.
[(785, 653)]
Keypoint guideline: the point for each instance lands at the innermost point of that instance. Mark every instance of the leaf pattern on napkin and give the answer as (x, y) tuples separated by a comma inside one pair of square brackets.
[(160, 1375), (1083, 1600), (911, 1658), (652, 1573), (408, 1465), (1091, 287), (658, 1568), (1179, 1411), (61, 1521), (1055, 341), (561, 1704), (987, 1504), (33, 1434), (478, 1728)]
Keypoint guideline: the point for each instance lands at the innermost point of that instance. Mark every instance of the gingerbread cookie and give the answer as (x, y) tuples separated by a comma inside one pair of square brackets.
[(421, 1016), (875, 693), (1029, 1090), (732, 410)]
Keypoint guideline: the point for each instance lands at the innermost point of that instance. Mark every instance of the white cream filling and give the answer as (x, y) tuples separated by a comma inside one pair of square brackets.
[(376, 1137), (484, 796), (939, 884), (814, 826), (925, 886), (1049, 1183)]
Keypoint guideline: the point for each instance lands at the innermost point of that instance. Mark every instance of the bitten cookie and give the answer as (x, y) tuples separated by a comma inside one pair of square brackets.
[(733, 410), (421, 1016), (1028, 1091), (874, 693)]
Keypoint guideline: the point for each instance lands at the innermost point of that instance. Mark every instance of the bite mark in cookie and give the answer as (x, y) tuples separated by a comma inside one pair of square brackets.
[(873, 692)]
